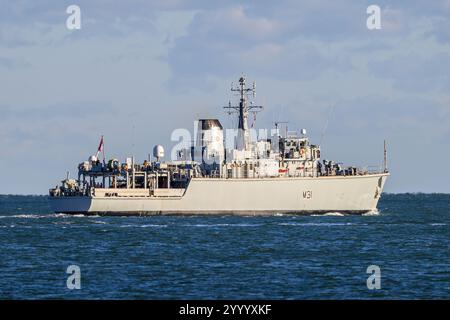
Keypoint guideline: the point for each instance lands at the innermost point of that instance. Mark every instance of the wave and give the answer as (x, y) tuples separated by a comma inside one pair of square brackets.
[(373, 212), (329, 214), (21, 216), (99, 222), (44, 216), (222, 225), (143, 226), (153, 226), (319, 224)]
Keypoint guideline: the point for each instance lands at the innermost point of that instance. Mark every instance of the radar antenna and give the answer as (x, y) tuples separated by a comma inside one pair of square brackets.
[(243, 138)]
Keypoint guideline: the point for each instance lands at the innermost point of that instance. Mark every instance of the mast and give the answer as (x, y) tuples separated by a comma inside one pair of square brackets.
[(243, 137)]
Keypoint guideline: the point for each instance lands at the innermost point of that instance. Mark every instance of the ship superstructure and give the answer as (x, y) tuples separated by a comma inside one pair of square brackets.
[(273, 174)]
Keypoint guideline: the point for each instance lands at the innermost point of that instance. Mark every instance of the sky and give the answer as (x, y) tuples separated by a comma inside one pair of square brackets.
[(137, 70)]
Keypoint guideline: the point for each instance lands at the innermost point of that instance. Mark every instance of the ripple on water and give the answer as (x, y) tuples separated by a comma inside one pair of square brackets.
[(143, 226), (374, 212), (200, 225), (46, 216), (320, 224)]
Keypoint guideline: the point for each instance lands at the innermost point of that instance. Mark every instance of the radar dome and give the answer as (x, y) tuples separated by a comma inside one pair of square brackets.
[(158, 151)]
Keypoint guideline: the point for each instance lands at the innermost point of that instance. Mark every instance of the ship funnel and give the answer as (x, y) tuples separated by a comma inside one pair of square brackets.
[(209, 142)]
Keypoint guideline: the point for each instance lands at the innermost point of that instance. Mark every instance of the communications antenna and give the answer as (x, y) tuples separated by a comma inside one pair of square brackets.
[(243, 137)]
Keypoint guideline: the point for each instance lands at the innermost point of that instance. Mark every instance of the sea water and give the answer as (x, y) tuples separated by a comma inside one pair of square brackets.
[(228, 257)]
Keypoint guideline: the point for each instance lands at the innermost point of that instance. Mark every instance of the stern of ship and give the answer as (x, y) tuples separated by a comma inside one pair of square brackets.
[(70, 204)]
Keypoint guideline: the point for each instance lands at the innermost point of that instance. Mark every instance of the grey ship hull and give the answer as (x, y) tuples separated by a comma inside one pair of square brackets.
[(260, 196)]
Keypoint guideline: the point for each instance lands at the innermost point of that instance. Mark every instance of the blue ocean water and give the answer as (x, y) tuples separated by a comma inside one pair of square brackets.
[(276, 257)]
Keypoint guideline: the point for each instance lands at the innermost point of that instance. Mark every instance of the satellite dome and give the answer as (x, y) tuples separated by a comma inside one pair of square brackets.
[(158, 151)]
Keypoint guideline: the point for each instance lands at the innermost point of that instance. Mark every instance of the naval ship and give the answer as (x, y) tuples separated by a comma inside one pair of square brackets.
[(279, 173)]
